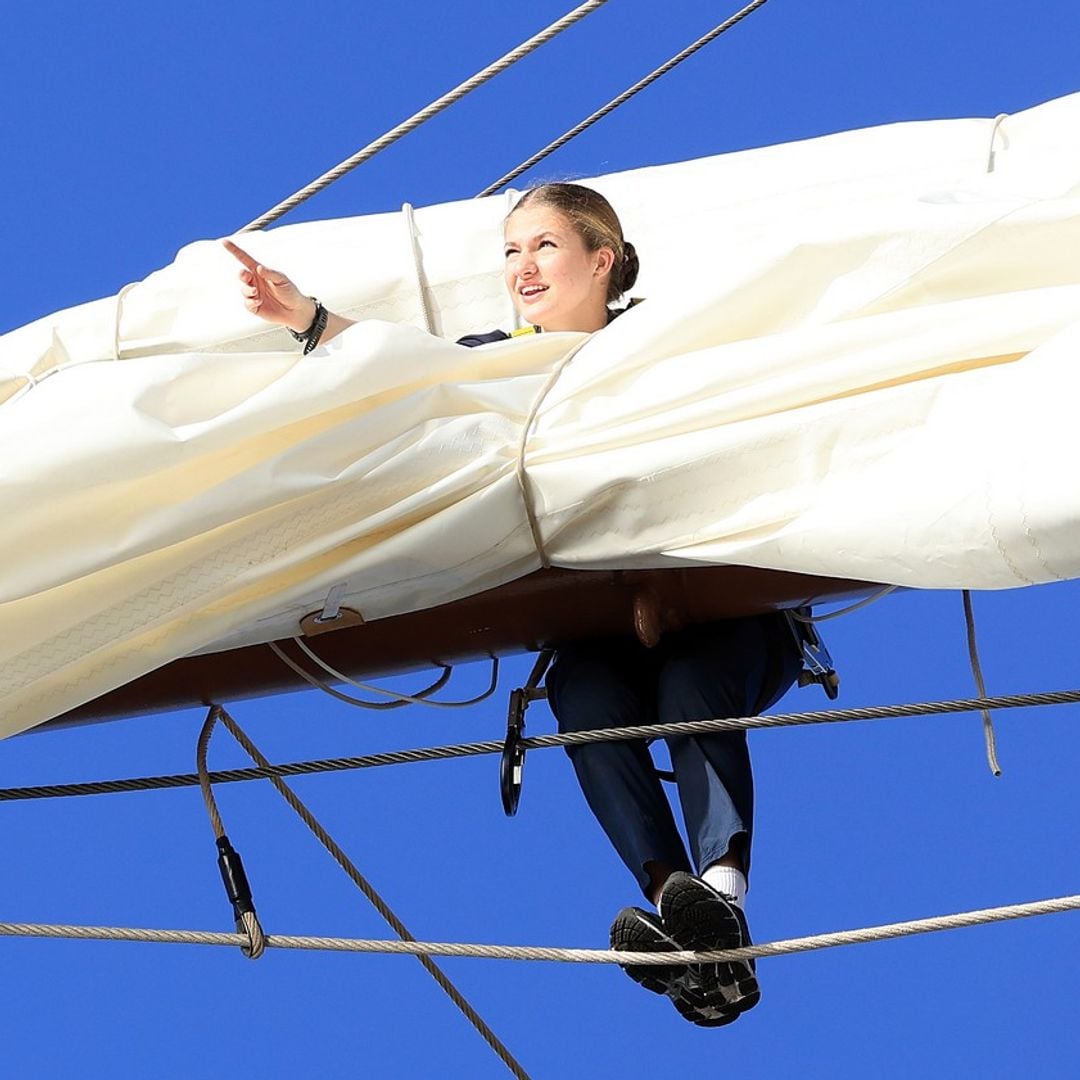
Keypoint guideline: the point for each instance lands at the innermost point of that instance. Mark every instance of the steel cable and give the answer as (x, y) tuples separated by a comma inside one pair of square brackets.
[(625, 96), (218, 713), (538, 742), (785, 947), (425, 114)]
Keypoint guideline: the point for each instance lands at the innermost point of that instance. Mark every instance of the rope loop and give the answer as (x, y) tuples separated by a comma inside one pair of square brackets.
[(118, 314), (230, 865), (396, 699), (866, 601), (250, 926), (991, 156)]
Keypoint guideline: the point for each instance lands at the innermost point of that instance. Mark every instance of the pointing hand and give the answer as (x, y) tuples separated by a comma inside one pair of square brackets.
[(270, 294)]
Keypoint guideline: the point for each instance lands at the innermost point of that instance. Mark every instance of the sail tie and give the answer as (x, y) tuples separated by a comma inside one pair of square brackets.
[(528, 494), (991, 158), (418, 267)]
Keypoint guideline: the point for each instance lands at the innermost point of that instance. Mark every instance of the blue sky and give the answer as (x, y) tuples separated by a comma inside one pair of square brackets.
[(132, 130)]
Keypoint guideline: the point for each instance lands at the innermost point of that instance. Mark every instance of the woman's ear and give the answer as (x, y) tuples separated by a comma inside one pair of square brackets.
[(605, 260)]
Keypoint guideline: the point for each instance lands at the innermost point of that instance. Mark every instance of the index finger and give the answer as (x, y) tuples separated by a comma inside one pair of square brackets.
[(238, 252)]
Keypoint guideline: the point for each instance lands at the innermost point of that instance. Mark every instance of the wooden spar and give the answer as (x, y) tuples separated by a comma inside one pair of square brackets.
[(545, 608)]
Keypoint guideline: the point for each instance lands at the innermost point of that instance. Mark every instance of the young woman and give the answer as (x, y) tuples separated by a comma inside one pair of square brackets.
[(567, 262)]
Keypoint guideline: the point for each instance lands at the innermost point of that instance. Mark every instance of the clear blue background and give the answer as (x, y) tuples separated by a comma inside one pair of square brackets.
[(131, 129)]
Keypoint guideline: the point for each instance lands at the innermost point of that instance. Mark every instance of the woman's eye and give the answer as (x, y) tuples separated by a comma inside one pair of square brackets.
[(547, 243)]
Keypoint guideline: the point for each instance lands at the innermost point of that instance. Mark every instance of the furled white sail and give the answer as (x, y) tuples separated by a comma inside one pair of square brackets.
[(860, 357)]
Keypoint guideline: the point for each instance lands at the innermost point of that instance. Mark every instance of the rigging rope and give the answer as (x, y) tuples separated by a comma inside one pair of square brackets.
[(397, 699), (785, 947), (218, 713), (246, 921), (320, 684), (539, 742), (625, 96), (980, 685), (866, 601), (425, 114)]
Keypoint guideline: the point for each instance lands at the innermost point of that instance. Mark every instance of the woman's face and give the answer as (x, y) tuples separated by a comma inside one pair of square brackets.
[(555, 281)]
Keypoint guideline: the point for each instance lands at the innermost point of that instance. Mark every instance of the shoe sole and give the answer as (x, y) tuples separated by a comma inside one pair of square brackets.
[(695, 1008), (635, 930), (700, 920)]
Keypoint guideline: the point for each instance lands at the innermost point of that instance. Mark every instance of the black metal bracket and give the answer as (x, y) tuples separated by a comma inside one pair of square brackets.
[(817, 663), (512, 762)]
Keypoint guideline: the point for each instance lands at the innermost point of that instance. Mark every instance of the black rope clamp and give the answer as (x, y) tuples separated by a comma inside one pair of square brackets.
[(237, 888), (818, 665), (512, 762)]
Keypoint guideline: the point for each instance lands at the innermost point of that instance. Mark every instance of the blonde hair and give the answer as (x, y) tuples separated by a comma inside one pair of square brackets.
[(595, 221)]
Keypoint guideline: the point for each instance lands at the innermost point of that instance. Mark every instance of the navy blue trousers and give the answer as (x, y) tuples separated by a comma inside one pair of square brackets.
[(736, 667)]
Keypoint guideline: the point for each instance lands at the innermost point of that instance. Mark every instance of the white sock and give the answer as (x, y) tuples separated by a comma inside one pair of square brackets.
[(727, 880)]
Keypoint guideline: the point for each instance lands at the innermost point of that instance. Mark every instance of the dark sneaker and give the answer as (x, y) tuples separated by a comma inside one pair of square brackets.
[(635, 930), (694, 1007), (701, 919)]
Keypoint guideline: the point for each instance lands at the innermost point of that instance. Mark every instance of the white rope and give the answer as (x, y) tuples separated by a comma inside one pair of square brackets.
[(34, 381), (784, 947), (425, 114), (866, 601), (991, 157), (522, 474), (118, 315), (418, 269), (393, 695), (320, 684), (23, 390), (517, 320)]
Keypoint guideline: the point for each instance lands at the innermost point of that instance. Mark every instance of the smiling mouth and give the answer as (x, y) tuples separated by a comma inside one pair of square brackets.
[(527, 292)]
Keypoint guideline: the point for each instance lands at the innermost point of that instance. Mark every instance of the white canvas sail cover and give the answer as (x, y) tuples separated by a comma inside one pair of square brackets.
[(859, 358)]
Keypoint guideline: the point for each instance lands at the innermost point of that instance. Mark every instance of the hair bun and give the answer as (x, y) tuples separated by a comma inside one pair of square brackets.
[(591, 216), (628, 272)]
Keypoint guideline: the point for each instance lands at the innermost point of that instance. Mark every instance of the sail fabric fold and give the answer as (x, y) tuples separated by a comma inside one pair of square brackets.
[(859, 358)]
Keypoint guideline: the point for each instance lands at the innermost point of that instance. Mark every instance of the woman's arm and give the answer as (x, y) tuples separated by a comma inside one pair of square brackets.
[(273, 297)]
